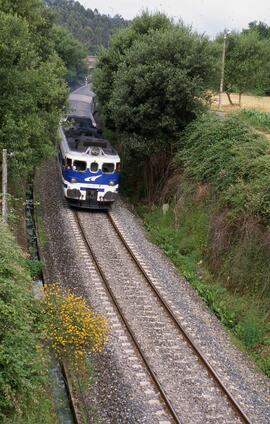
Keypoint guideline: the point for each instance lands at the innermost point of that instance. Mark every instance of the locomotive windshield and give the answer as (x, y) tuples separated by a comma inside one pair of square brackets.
[(75, 122), (79, 165), (108, 167)]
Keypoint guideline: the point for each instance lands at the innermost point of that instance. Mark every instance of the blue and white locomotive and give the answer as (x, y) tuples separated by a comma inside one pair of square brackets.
[(88, 164)]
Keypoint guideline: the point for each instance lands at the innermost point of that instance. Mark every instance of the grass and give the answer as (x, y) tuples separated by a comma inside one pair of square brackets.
[(185, 244), (258, 120)]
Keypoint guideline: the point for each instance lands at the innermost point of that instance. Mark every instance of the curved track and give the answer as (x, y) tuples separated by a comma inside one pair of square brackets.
[(231, 402)]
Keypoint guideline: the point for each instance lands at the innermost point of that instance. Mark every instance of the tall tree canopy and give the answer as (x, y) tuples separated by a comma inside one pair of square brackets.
[(34, 64), (247, 64), (260, 27), (73, 54), (150, 83)]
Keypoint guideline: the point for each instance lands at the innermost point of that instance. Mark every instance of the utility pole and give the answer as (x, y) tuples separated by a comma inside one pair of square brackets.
[(222, 69), (4, 187)]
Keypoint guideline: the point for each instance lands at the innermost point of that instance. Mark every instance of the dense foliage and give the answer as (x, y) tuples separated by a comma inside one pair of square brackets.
[(151, 80), (20, 366), (36, 56), (261, 28), (73, 54), (150, 83), (233, 158), (88, 26)]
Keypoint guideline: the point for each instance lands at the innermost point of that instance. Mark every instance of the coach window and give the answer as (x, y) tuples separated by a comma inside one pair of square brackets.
[(94, 167), (79, 165), (108, 168)]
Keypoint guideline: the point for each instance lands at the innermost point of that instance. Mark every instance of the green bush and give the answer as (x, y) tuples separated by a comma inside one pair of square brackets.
[(20, 362), (34, 267), (250, 332), (233, 158)]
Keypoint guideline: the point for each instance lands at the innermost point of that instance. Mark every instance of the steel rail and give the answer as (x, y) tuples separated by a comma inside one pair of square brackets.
[(174, 414), (237, 408)]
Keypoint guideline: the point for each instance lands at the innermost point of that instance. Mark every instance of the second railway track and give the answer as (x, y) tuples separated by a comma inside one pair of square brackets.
[(191, 389)]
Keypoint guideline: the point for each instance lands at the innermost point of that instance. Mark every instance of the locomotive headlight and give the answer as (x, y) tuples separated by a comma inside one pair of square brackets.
[(111, 183), (73, 180)]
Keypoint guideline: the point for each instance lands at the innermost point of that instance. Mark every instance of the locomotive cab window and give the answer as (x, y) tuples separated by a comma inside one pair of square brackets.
[(68, 163), (108, 168), (79, 165), (94, 167)]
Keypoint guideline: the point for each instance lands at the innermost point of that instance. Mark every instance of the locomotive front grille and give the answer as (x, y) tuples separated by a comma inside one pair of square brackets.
[(91, 194)]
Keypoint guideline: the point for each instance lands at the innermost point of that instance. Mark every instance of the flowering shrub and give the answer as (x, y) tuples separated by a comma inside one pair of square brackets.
[(71, 326)]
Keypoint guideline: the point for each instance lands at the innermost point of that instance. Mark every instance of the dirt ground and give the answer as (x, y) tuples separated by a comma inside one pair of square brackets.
[(259, 103)]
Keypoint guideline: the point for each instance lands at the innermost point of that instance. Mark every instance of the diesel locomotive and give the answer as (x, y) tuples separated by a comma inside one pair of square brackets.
[(89, 165)]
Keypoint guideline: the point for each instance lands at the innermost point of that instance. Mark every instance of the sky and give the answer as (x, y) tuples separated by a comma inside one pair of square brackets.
[(205, 16)]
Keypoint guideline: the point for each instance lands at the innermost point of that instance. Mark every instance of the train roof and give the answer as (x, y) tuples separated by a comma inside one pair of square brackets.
[(87, 145), (81, 97), (81, 105)]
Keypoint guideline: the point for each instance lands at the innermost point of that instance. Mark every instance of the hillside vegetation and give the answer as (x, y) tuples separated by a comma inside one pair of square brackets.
[(232, 158), (89, 26), (23, 368), (217, 231)]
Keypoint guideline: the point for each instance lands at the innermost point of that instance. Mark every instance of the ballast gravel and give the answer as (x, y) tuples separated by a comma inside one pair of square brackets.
[(117, 393), (116, 396), (250, 387)]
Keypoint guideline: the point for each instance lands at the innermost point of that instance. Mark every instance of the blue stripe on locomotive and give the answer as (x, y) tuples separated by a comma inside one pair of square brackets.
[(98, 177)]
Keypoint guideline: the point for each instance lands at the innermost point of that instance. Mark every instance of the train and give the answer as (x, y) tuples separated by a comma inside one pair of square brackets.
[(89, 166)]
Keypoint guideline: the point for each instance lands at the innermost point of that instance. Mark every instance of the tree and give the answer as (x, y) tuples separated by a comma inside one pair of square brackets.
[(26, 8), (32, 86), (247, 63), (110, 59), (261, 28), (160, 85), (36, 57), (90, 27), (247, 60), (150, 83), (73, 54)]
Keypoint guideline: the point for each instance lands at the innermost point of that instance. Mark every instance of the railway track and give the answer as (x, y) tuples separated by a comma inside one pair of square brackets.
[(189, 386)]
